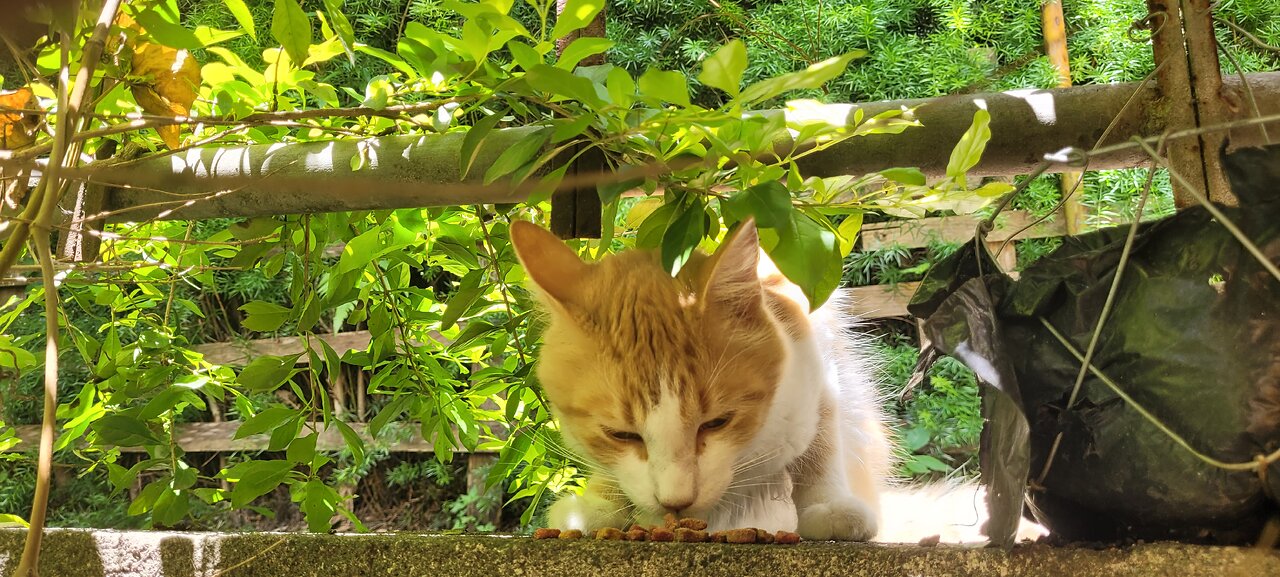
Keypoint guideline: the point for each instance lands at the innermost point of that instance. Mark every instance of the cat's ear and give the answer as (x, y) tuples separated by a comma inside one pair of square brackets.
[(734, 280), (552, 265)]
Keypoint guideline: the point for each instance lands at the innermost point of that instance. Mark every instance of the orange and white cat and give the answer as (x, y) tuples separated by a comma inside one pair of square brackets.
[(715, 394)]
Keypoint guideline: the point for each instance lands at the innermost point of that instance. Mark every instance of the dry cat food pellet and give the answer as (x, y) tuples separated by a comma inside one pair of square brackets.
[(609, 534), (546, 533), (687, 535), (696, 524), (763, 536), (747, 535), (637, 527), (670, 521), (571, 534), (717, 537), (786, 538), (931, 541), (637, 535), (661, 534)]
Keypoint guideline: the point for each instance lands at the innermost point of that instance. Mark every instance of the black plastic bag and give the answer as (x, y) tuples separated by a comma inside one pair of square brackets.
[(1193, 336)]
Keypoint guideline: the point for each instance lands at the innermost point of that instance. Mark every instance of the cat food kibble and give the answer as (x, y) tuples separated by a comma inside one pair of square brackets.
[(609, 534), (687, 535), (747, 535), (677, 530), (786, 538), (662, 534), (695, 524)]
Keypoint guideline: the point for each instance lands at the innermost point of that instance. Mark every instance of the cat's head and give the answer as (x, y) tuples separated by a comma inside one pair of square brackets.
[(663, 383)]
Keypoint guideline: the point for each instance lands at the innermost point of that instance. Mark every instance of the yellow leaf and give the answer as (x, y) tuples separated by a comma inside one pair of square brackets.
[(17, 129), (169, 80)]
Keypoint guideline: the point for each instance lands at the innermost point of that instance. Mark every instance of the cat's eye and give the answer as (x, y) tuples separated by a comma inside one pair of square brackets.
[(624, 436), (714, 424)]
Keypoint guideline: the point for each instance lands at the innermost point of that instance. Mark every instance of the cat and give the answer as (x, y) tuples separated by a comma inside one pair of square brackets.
[(715, 394)]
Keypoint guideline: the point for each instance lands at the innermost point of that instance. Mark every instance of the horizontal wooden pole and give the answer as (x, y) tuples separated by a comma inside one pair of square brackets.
[(1028, 124), (217, 438), (424, 170)]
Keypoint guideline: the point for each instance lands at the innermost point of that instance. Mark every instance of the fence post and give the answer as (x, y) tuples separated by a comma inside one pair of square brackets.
[(1074, 213), (1189, 79), (575, 213)]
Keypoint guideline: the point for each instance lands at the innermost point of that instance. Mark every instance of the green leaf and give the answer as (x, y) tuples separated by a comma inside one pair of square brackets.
[(395, 61), (469, 289), (525, 56), (292, 29), (170, 507), (319, 505), (575, 15), (354, 442), (563, 83), (254, 479), (848, 230), (124, 430), (724, 69), (682, 237), (968, 151), (768, 202), (8, 520), (808, 253), (377, 92), (621, 87), (473, 140), (915, 438), (812, 77), (911, 176), (267, 373), (167, 33), (930, 463), (664, 86), (570, 127), (242, 15), (263, 316), (610, 191), (165, 401), (302, 449), (581, 48), (269, 419), (993, 189), (359, 251), (342, 26), (518, 155)]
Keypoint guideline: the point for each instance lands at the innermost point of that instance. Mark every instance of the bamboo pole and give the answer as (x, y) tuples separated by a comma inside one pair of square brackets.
[(1074, 213)]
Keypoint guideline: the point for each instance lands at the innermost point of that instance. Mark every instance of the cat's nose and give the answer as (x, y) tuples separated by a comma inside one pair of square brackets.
[(676, 506)]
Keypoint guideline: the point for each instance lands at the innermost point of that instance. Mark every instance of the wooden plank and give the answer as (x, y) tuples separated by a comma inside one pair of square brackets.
[(919, 233), (880, 301), (240, 353), (217, 438)]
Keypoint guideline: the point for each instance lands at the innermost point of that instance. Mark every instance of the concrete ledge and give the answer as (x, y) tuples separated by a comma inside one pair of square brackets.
[(82, 553)]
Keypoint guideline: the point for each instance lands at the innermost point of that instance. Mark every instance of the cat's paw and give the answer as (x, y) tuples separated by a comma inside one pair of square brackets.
[(838, 519), (584, 513)]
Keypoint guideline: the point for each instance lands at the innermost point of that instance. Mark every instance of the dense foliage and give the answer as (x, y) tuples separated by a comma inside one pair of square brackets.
[(453, 333)]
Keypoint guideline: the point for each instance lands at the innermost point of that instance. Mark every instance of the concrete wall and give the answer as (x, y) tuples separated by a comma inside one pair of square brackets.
[(78, 553)]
